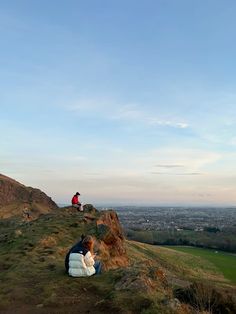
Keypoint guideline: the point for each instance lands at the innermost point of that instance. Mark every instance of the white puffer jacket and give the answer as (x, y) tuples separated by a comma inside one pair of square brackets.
[(80, 265)]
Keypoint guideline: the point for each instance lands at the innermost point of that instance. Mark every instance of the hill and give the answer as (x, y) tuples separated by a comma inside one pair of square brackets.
[(18, 200), (225, 262), (137, 278)]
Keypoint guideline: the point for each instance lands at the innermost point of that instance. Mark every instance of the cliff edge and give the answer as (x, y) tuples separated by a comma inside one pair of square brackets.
[(16, 200)]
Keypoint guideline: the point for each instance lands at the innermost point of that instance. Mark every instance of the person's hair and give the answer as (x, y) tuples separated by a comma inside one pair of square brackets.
[(82, 237), (88, 243)]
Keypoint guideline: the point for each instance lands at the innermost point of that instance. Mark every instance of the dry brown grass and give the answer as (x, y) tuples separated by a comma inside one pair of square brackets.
[(48, 242)]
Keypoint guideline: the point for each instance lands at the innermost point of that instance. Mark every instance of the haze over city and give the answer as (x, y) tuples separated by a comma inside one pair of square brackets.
[(127, 102)]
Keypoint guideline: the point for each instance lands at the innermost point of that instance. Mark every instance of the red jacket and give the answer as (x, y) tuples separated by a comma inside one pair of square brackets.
[(75, 200)]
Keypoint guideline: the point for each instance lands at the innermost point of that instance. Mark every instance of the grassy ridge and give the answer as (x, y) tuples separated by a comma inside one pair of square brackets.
[(185, 266), (33, 278), (225, 262)]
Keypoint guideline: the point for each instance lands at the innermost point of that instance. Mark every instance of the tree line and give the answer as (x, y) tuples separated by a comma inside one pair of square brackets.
[(212, 239)]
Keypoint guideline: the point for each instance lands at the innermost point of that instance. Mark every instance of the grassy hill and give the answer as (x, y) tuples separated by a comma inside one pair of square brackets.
[(224, 262), (33, 279), (16, 199)]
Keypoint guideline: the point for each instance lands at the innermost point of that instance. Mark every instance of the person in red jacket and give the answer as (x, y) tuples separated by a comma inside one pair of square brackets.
[(76, 203)]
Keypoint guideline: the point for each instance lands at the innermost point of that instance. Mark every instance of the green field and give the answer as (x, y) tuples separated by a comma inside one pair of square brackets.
[(225, 262)]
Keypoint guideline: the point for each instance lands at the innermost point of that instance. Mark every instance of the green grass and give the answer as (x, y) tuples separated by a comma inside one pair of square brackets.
[(225, 262), (184, 266), (32, 270)]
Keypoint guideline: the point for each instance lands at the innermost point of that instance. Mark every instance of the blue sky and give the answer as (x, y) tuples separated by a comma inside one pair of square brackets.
[(128, 102)]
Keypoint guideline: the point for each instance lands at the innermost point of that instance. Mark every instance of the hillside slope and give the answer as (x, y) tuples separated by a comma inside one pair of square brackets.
[(16, 200), (137, 278)]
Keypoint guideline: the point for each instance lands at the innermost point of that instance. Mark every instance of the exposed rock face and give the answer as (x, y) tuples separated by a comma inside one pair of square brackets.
[(111, 240), (17, 199), (89, 208), (135, 283)]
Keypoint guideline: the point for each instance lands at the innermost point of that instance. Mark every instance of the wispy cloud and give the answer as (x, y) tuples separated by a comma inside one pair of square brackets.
[(155, 121), (173, 158), (169, 166), (112, 110), (178, 173), (134, 112)]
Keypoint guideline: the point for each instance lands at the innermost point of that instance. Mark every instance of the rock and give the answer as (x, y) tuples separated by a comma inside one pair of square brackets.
[(18, 200), (39, 305), (111, 240), (18, 232), (89, 217), (105, 234), (90, 209), (141, 283), (110, 219), (173, 304)]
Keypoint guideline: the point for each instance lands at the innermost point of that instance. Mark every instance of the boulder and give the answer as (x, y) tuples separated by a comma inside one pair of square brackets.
[(89, 208), (110, 240)]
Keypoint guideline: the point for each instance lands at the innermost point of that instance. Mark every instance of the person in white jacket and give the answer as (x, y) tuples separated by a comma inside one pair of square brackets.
[(80, 259)]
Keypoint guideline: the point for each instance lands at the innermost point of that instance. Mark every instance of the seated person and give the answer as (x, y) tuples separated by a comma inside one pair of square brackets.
[(76, 203), (79, 260)]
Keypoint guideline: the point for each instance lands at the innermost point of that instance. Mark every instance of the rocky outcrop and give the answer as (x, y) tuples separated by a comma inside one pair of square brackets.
[(111, 244), (106, 229), (17, 199)]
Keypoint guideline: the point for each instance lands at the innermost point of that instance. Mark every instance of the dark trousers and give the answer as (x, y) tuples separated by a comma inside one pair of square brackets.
[(98, 267)]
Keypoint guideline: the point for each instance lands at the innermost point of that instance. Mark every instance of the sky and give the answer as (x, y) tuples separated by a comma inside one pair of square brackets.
[(128, 102)]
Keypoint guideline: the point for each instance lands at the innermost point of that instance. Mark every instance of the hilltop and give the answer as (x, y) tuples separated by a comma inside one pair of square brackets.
[(136, 278), (18, 200)]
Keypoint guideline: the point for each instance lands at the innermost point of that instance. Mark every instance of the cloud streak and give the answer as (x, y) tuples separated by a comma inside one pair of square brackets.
[(134, 113), (169, 166), (112, 110), (178, 173)]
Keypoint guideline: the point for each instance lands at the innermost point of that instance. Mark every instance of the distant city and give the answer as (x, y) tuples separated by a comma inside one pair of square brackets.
[(178, 218)]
